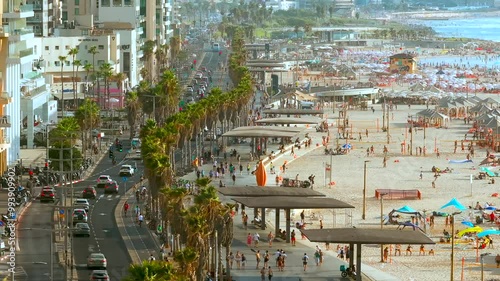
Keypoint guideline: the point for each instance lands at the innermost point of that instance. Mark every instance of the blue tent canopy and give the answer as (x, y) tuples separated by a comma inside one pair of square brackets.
[(406, 209), (455, 203)]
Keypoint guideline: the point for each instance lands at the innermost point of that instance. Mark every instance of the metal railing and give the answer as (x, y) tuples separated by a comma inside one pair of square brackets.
[(4, 29), (26, 8), (23, 31), (37, 7), (33, 19)]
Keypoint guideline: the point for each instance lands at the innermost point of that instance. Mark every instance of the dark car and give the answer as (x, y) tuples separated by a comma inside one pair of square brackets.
[(89, 192), (111, 187), (47, 195)]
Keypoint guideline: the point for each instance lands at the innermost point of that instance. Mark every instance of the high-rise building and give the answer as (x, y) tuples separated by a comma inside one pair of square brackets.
[(16, 64), (44, 20)]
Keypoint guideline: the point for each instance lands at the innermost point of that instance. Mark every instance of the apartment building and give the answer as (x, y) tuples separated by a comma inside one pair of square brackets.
[(45, 17), (20, 80)]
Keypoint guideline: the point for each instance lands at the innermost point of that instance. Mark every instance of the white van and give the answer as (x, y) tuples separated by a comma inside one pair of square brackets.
[(216, 47)]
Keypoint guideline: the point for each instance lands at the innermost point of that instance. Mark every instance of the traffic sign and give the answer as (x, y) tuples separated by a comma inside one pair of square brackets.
[(61, 216), (124, 179), (61, 211)]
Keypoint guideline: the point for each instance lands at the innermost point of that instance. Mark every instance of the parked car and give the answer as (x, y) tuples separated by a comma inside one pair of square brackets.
[(82, 203), (89, 192), (99, 275), (127, 170), (47, 195), (96, 260), (79, 215), (111, 187), (81, 229)]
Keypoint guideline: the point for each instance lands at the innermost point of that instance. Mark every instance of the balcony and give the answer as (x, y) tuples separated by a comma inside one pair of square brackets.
[(37, 7), (139, 30), (5, 121), (22, 34), (4, 31), (5, 98), (34, 20), (19, 11), (32, 75), (4, 141)]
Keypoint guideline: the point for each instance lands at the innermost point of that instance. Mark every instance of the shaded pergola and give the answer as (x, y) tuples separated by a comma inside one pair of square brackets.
[(263, 132), (288, 203), (360, 236), (264, 191), (289, 121), (293, 111)]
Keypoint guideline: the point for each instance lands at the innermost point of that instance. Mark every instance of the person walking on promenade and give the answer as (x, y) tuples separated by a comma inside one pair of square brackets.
[(257, 258), (292, 235), (270, 238), (305, 258), (269, 273), (263, 274)]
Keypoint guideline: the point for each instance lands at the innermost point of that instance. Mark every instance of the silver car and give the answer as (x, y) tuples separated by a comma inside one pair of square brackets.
[(82, 203), (81, 229), (96, 260)]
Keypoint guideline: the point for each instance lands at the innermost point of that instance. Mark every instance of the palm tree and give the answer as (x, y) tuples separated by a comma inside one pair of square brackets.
[(76, 63), (93, 51), (175, 48), (63, 139), (62, 60), (149, 48), (133, 106), (119, 78), (88, 117), (106, 72), (73, 52), (168, 90), (161, 55), (87, 67)]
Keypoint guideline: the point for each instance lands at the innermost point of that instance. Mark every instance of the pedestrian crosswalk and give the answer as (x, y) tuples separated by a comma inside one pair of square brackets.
[(109, 196)]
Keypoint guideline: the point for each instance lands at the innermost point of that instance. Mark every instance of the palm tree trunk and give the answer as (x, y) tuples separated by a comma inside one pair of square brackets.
[(190, 152)]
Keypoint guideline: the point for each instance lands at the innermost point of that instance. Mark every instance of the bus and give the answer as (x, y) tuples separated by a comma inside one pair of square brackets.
[(216, 47)]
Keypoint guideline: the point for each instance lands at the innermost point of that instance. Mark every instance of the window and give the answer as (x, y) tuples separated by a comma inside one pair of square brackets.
[(105, 3), (77, 11), (46, 48), (57, 47), (117, 3), (101, 47), (67, 47), (100, 62), (57, 63), (77, 2), (67, 63)]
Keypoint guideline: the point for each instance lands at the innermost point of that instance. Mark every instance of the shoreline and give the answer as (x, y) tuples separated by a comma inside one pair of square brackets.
[(429, 15)]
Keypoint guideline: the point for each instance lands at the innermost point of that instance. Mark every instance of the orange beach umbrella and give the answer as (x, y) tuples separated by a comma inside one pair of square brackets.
[(261, 175)]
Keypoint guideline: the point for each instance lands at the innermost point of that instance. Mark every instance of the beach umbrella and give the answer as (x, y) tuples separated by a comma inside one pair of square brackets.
[(261, 175), (346, 146), (488, 232), (474, 229), (468, 223)]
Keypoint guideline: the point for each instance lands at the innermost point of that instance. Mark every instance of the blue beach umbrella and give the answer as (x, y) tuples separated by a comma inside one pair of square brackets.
[(468, 223), (488, 232)]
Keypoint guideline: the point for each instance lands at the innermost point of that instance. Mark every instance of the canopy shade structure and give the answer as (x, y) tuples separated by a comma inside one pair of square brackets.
[(406, 209), (293, 202), (263, 132), (488, 232), (289, 121), (297, 94), (258, 191), (454, 203), (480, 108), (293, 111), (366, 236)]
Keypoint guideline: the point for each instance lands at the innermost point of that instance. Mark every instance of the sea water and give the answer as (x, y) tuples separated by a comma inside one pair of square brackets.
[(475, 28)]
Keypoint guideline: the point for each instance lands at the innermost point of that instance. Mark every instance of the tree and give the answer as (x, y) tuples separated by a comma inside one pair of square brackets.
[(73, 52), (119, 78), (106, 72), (88, 117), (148, 49), (62, 60), (93, 51), (88, 68), (133, 106), (175, 47), (152, 271), (62, 145), (76, 63)]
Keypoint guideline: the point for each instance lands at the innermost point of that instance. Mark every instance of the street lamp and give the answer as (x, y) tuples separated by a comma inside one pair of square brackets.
[(382, 223), (364, 191), (482, 264)]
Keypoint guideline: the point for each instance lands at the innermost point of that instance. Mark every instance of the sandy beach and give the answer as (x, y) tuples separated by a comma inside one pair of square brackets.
[(402, 172)]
